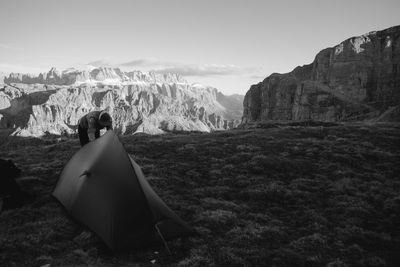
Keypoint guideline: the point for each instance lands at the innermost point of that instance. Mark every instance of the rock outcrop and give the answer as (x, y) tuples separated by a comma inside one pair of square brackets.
[(2, 76), (152, 103), (358, 79)]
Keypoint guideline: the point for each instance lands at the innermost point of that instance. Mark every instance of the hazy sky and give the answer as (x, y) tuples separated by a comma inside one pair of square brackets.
[(226, 44)]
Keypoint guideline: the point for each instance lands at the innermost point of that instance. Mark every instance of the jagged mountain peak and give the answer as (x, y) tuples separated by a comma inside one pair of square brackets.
[(91, 75)]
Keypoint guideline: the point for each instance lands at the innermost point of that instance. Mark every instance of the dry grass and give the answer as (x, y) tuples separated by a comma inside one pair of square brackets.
[(278, 195)]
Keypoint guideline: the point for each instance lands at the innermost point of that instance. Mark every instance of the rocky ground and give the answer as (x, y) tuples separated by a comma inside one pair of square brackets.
[(283, 195)]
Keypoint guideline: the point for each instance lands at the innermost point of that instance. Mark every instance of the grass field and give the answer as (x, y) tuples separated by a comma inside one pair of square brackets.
[(269, 196)]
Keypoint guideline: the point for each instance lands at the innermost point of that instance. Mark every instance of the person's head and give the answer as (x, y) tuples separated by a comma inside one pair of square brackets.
[(105, 119)]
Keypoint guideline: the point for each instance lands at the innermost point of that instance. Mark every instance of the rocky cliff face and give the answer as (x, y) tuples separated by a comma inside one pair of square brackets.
[(138, 102), (356, 80)]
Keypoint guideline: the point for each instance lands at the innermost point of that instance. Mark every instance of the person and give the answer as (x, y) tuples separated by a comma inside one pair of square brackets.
[(89, 126)]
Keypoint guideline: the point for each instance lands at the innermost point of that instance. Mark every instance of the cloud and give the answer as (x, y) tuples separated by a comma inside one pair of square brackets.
[(198, 70), (8, 47), (100, 63), (4, 46), (203, 70), (136, 62), (141, 62), (144, 62), (256, 76), (187, 69)]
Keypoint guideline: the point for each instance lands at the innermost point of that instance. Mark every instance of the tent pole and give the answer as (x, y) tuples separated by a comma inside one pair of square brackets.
[(162, 238)]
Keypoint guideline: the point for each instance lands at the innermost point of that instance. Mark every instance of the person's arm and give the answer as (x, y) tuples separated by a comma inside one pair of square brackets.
[(91, 128)]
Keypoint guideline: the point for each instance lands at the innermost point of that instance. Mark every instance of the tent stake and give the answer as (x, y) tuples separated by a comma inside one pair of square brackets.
[(162, 238)]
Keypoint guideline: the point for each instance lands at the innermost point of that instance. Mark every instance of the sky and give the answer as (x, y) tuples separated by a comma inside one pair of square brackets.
[(227, 44)]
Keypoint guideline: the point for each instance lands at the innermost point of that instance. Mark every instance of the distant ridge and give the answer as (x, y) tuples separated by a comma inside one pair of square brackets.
[(104, 75)]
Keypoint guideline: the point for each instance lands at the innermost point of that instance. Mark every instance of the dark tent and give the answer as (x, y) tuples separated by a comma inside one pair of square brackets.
[(104, 188)]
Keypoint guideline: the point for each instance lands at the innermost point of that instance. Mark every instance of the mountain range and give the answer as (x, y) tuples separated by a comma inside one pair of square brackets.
[(93, 76), (53, 102), (356, 80)]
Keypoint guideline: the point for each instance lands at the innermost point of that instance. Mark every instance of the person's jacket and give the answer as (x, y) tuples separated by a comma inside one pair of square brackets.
[(90, 122)]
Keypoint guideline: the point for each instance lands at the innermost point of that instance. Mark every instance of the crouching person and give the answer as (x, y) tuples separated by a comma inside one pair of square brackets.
[(89, 126)]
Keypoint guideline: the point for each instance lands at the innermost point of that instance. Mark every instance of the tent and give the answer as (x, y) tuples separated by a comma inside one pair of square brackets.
[(103, 188)]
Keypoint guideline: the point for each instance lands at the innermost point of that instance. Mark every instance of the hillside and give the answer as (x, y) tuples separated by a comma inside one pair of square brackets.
[(277, 194)]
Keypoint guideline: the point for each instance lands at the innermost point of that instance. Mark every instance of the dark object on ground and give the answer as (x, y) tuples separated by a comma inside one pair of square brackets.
[(104, 188), (8, 185), (10, 192)]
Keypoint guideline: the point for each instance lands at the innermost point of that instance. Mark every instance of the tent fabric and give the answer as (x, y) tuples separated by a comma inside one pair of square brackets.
[(105, 189)]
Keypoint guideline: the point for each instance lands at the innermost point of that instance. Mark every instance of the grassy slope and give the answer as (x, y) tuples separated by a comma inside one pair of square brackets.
[(289, 196)]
